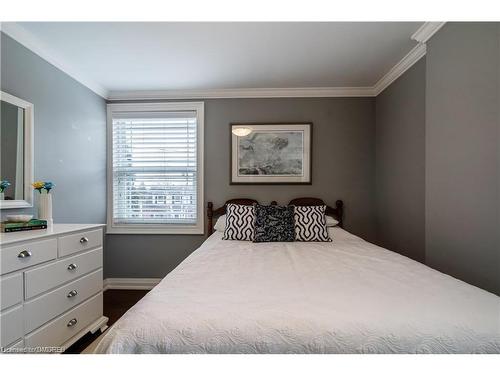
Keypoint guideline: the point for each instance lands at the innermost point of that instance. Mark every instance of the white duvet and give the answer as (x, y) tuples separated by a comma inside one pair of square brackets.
[(347, 296)]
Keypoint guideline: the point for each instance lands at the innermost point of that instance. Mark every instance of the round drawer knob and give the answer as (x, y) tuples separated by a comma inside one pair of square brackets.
[(84, 240), (72, 267), (24, 254), (72, 294), (72, 322)]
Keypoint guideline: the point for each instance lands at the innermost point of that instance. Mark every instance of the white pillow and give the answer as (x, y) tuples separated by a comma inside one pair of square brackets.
[(330, 221), (310, 224), (220, 224), (240, 222)]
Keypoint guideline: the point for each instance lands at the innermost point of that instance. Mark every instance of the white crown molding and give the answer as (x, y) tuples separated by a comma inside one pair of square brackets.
[(305, 92), (426, 31), (422, 35), (130, 283), (27, 39), (402, 66)]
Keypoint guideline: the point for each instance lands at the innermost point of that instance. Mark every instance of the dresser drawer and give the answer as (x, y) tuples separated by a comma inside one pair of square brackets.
[(66, 326), (14, 258), (11, 323), (57, 273), (80, 241), (11, 289), (46, 307)]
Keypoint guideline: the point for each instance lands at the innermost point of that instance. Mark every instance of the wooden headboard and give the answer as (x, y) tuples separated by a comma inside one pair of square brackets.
[(337, 212)]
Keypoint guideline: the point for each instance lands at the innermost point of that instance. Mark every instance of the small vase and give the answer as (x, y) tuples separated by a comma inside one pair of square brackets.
[(45, 208), (2, 196)]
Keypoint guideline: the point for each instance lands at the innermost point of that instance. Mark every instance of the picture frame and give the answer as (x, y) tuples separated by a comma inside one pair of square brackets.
[(272, 154)]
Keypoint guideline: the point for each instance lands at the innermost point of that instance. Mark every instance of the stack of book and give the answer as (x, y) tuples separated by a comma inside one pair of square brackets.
[(10, 226)]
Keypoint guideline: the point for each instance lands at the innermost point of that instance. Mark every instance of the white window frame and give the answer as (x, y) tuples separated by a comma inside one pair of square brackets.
[(198, 228)]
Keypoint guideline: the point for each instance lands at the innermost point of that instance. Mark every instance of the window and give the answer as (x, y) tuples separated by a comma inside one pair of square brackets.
[(155, 168)]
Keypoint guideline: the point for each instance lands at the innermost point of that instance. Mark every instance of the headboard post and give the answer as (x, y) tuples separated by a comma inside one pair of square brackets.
[(339, 205), (210, 215)]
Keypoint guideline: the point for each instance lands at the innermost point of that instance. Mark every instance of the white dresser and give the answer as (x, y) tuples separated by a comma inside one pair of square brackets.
[(51, 287)]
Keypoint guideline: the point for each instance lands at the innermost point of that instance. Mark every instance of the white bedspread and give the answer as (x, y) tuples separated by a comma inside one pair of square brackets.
[(347, 296)]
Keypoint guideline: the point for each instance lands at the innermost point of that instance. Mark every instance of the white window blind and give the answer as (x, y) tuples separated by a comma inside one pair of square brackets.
[(154, 167)]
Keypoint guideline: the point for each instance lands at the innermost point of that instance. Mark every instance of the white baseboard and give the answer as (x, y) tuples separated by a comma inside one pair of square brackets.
[(130, 283)]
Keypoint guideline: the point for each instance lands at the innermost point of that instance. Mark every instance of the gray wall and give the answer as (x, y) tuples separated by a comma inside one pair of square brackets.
[(70, 149), (70, 133), (400, 164), (438, 156), (498, 170), (462, 146), (343, 168), (462, 156)]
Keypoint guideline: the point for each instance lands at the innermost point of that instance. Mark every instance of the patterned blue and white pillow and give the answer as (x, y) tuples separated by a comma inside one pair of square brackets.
[(239, 222), (310, 224)]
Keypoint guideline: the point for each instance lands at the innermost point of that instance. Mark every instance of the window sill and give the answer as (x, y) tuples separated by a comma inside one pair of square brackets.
[(145, 229)]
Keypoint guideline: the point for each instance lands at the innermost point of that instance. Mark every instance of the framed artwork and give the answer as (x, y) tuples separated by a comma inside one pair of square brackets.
[(271, 153)]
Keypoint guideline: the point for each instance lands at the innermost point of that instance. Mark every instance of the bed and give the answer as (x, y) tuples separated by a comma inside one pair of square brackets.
[(344, 296)]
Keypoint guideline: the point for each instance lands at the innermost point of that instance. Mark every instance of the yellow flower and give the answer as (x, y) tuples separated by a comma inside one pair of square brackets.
[(38, 184)]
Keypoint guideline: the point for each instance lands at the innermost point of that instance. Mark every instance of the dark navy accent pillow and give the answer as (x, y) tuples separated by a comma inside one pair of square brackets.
[(274, 224)]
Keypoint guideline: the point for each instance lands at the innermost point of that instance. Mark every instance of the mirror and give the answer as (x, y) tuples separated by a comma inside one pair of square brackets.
[(16, 156), (12, 149)]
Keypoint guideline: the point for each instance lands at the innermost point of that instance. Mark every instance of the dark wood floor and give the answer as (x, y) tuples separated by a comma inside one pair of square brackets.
[(116, 303)]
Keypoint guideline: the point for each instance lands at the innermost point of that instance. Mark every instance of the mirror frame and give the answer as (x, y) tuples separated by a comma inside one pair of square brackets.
[(28, 152)]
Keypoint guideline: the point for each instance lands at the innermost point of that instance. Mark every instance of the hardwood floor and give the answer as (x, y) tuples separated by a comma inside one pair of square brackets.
[(116, 303)]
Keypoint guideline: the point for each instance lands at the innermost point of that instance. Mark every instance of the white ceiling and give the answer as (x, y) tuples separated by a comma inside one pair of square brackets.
[(187, 56)]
